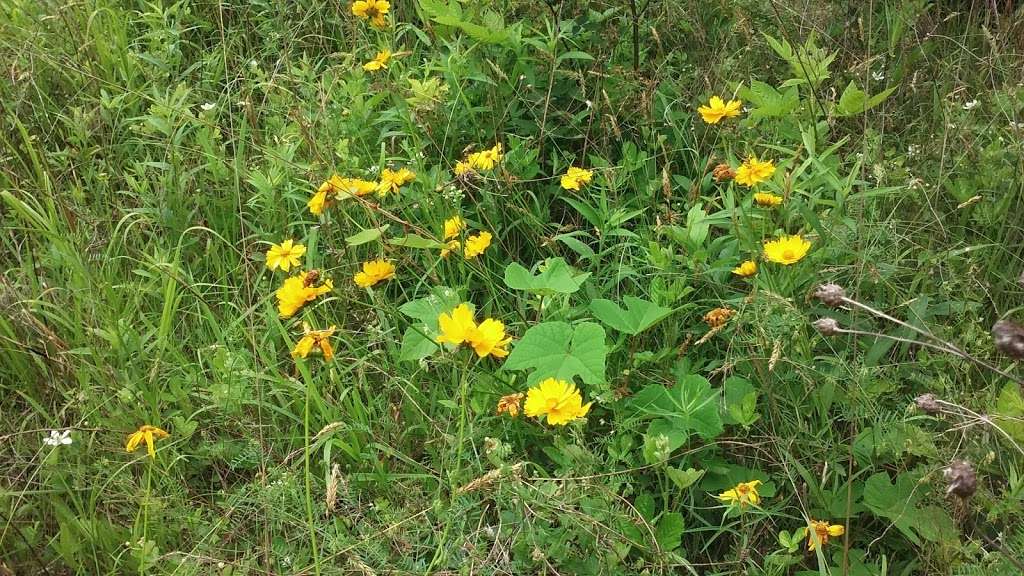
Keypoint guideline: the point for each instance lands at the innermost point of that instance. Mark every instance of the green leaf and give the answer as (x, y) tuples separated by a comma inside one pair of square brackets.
[(1009, 412), (368, 235), (558, 350), (638, 316), (416, 344), (683, 479), (740, 402), (573, 55), (898, 503), (767, 102), (426, 310), (669, 531), (414, 241), (689, 406), (856, 101), (555, 277)]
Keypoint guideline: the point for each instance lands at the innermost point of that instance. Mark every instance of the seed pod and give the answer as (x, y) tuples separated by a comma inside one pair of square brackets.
[(1009, 338), (830, 294), (827, 326), (963, 482), (927, 403)]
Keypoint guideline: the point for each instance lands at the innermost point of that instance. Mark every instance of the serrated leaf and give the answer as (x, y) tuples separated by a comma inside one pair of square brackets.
[(638, 316), (767, 102), (555, 277), (558, 350), (416, 344), (368, 235)]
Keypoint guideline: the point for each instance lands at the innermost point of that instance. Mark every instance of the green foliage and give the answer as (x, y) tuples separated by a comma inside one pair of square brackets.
[(560, 350), (638, 316)]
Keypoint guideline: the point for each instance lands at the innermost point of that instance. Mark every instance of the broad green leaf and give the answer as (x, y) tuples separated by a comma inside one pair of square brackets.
[(898, 502), (689, 406), (683, 479), (669, 530), (740, 402), (426, 310), (1009, 412), (767, 102), (414, 241), (558, 350), (638, 316), (555, 277), (368, 235), (856, 101), (416, 344)]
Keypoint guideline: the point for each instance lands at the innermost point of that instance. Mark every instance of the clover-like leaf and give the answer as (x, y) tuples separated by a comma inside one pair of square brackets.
[(555, 277), (558, 350), (638, 316)]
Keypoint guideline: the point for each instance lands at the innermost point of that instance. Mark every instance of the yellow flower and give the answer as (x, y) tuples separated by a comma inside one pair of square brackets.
[(392, 180), (372, 10), (485, 159), (559, 400), (379, 61), (299, 289), (753, 171), (488, 339), (461, 168), (767, 200), (743, 493), (453, 227), (356, 187), (285, 255), (786, 250), (820, 531), (451, 246), (510, 404), (746, 269), (325, 194), (148, 433), (575, 177), (456, 327), (476, 244), (718, 109), (373, 272), (312, 339)]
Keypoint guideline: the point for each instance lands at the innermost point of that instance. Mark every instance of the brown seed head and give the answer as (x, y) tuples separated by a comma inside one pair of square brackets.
[(723, 172), (1009, 338), (927, 403), (830, 294), (827, 326), (963, 481), (718, 317)]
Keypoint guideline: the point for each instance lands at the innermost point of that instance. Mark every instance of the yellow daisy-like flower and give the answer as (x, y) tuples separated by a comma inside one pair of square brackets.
[(449, 247), (312, 340), (325, 194), (743, 493), (767, 200), (476, 244), (379, 61), (485, 159), (372, 10), (356, 187), (488, 339), (457, 326), (147, 433), (462, 168), (718, 109), (786, 250), (392, 180), (373, 272), (745, 270), (298, 290), (820, 531), (510, 404), (285, 255), (754, 171), (453, 227), (559, 400), (574, 178)]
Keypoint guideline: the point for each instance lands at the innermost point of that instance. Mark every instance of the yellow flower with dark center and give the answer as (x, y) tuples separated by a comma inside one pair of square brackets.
[(313, 340), (754, 171), (453, 227), (476, 244), (574, 178), (379, 61), (718, 109), (747, 269), (373, 272), (510, 404), (718, 317), (392, 180), (820, 531), (488, 339), (372, 10), (298, 290), (485, 159), (766, 200), (786, 250), (559, 400), (285, 255), (147, 433), (457, 326), (743, 493)]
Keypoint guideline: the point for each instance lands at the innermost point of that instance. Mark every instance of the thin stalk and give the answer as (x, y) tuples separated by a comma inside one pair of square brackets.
[(309, 482)]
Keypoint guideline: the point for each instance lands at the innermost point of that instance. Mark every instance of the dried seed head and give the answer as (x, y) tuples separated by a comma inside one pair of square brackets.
[(963, 482), (723, 172), (830, 294), (827, 326), (718, 317), (927, 403), (1009, 338)]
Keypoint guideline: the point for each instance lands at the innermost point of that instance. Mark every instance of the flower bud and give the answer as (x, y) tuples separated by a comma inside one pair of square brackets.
[(827, 326), (927, 403), (830, 294), (963, 482), (1009, 338)]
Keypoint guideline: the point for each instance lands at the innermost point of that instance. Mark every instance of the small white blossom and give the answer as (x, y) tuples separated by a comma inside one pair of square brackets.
[(878, 75), (58, 438), (971, 105), (208, 106)]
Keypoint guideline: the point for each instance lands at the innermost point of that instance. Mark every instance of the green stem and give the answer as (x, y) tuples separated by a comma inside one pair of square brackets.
[(309, 483)]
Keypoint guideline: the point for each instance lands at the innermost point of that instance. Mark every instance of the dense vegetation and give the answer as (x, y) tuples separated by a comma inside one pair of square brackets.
[(504, 288)]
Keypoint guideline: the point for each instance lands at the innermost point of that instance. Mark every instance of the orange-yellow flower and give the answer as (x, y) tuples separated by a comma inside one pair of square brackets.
[(574, 178), (559, 400), (312, 340), (476, 244), (372, 10), (767, 200), (379, 61), (462, 168), (718, 317), (147, 433), (392, 180), (485, 159), (373, 272), (337, 187), (718, 109), (488, 339), (743, 493), (457, 326), (786, 250), (285, 255), (745, 270), (820, 531), (453, 227), (510, 404), (298, 290), (754, 171)]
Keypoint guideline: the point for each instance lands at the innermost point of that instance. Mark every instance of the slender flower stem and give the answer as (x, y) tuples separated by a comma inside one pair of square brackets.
[(309, 481)]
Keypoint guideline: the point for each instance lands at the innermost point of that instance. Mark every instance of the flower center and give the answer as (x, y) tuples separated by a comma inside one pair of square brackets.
[(788, 254)]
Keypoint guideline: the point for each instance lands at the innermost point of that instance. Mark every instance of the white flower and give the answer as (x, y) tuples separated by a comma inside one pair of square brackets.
[(57, 438), (1016, 125), (208, 106), (878, 75), (971, 105)]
